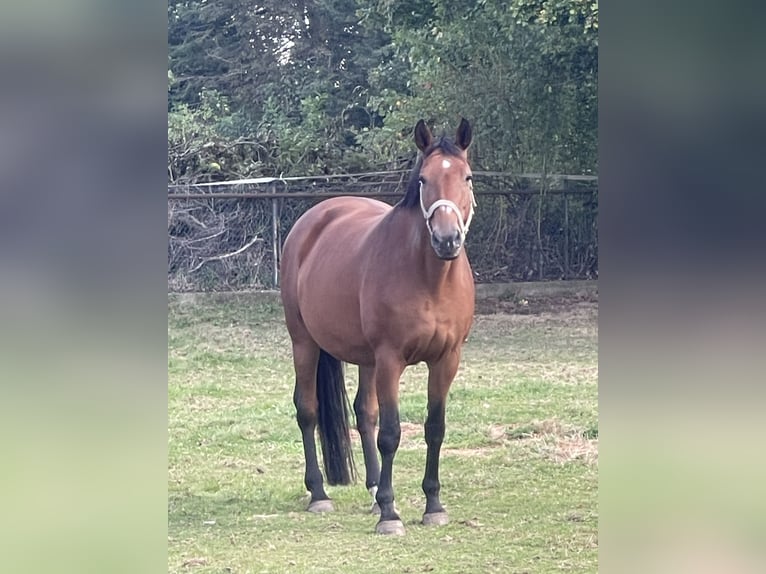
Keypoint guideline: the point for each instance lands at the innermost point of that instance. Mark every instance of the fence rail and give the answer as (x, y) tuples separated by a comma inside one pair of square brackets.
[(527, 226), (375, 194), (381, 175)]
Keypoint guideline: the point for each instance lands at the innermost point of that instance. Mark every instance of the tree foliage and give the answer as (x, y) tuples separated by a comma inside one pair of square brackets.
[(334, 86)]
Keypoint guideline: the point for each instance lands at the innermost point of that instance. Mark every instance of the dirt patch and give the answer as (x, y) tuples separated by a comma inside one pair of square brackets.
[(475, 452), (413, 435), (411, 430), (537, 304), (549, 439)]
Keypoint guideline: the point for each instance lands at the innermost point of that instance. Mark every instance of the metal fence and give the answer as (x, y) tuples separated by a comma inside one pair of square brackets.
[(528, 227)]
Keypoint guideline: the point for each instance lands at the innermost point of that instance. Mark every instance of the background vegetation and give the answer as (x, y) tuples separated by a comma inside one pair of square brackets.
[(335, 86), (274, 89)]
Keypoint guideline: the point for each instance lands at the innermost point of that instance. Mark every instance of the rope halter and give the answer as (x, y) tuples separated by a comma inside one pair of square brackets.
[(450, 205)]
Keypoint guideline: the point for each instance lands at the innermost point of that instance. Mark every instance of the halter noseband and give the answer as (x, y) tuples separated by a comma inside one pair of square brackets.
[(450, 205)]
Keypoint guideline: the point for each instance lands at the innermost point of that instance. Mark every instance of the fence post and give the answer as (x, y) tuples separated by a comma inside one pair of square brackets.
[(275, 236), (540, 195), (566, 233)]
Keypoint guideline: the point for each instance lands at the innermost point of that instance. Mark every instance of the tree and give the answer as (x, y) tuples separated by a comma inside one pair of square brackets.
[(324, 86), (294, 76), (528, 79)]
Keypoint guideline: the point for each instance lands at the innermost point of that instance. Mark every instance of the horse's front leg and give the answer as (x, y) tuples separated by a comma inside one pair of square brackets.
[(440, 376), (386, 376)]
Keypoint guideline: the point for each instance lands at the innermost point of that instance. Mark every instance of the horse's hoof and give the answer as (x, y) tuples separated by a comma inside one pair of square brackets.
[(321, 506), (375, 509), (389, 527), (436, 519)]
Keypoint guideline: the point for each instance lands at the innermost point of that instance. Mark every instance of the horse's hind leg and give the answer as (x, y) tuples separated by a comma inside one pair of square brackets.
[(366, 409), (306, 359)]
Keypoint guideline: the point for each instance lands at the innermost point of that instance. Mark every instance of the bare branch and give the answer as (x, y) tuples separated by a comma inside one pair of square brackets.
[(255, 240)]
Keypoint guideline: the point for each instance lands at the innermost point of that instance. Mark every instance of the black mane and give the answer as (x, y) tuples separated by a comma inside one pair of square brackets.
[(412, 194)]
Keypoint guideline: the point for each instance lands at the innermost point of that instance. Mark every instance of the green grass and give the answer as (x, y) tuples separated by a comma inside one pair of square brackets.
[(519, 463)]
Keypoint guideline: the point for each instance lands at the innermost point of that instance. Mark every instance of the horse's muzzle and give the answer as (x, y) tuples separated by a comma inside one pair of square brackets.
[(447, 247)]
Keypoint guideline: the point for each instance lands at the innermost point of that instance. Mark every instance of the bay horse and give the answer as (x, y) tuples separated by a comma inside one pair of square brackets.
[(382, 287)]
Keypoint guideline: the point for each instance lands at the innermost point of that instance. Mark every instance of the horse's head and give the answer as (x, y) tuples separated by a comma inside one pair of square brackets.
[(446, 188)]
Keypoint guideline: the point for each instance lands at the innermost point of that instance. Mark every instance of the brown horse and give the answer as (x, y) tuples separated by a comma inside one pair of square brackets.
[(381, 287)]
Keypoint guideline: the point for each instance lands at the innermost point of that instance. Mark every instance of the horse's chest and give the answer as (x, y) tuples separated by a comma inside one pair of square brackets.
[(419, 330)]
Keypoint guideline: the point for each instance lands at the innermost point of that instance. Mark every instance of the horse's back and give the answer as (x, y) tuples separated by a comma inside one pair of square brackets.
[(330, 232), (330, 224)]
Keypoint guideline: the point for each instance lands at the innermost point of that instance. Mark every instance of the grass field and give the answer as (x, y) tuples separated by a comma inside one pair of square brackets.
[(519, 463)]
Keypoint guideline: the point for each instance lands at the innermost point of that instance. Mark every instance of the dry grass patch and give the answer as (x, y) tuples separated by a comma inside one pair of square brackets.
[(551, 439), (567, 449)]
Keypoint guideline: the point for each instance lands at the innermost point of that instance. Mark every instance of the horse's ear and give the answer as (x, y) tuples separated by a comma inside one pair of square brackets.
[(423, 137), (464, 134)]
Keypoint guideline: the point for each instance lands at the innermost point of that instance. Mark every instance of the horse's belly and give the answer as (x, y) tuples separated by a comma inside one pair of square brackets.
[(334, 324), (328, 291), (323, 262)]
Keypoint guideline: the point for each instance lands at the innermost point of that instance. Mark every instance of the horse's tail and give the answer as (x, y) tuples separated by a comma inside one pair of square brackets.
[(333, 421)]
